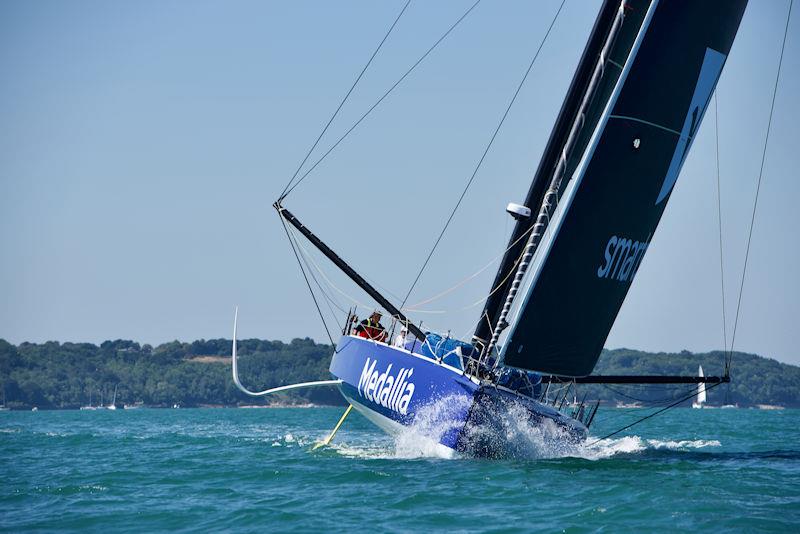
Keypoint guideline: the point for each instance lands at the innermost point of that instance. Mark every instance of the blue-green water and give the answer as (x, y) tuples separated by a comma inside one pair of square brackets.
[(253, 470)]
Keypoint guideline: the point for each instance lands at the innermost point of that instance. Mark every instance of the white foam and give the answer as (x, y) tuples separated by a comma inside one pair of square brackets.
[(514, 432), (634, 444), (685, 444), (423, 438)]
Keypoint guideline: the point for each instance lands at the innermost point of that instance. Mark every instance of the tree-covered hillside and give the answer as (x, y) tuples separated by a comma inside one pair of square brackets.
[(754, 379), (64, 375)]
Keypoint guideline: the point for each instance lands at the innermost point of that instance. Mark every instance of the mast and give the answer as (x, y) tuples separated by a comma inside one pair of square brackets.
[(350, 272), (558, 136)]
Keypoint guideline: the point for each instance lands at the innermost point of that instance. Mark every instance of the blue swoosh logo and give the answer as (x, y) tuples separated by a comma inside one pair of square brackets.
[(706, 81)]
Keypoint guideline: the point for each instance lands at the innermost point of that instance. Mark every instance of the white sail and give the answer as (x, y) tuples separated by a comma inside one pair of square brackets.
[(701, 391), (113, 405)]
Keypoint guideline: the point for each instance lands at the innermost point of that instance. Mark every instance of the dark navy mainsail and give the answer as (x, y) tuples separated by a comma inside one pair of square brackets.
[(622, 180), (552, 152)]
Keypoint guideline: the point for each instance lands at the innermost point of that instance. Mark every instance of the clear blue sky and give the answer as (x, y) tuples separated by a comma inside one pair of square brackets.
[(142, 144)]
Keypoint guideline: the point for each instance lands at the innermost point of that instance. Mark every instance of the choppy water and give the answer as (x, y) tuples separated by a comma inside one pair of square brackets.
[(253, 470)]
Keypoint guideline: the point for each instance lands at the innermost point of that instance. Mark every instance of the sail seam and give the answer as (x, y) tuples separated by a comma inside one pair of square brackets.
[(648, 123)]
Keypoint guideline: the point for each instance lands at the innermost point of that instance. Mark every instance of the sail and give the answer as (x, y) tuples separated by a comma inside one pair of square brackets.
[(613, 202), (701, 388), (552, 152)]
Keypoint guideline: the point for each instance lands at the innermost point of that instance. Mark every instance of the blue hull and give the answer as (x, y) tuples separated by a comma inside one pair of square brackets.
[(398, 389)]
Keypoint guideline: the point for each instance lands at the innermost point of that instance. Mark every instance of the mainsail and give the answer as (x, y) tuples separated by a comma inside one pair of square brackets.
[(622, 171), (552, 152)]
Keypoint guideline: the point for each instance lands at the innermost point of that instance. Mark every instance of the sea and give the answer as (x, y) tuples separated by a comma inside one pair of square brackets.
[(255, 470)]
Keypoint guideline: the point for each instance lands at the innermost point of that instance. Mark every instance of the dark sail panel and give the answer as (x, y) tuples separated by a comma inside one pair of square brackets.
[(611, 208), (552, 152)]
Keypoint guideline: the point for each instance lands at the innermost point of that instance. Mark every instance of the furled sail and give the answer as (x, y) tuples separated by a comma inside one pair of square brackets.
[(623, 176)]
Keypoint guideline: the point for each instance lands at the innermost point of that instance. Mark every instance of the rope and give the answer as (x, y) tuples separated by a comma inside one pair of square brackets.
[(719, 218), (758, 187), (310, 289), (376, 104), (483, 156), (346, 96), (331, 284), (329, 300), (413, 307)]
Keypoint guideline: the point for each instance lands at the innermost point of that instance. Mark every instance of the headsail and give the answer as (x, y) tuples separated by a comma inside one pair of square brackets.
[(611, 207)]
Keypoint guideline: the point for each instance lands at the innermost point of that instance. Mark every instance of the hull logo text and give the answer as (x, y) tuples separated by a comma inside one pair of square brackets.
[(393, 391)]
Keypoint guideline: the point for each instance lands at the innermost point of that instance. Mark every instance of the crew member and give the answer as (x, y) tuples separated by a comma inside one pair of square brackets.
[(401, 338), (371, 328)]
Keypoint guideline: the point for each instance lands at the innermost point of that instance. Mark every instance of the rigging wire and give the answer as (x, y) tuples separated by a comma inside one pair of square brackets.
[(381, 99), (727, 363), (310, 289), (485, 152), (329, 300), (413, 307), (651, 401), (341, 104), (719, 218), (358, 304), (662, 410), (330, 283), (758, 187)]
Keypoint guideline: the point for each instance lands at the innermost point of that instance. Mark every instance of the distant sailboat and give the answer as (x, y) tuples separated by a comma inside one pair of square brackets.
[(701, 392), (113, 405)]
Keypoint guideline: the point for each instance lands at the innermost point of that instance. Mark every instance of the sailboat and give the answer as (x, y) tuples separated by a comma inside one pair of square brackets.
[(701, 392), (113, 405), (627, 123)]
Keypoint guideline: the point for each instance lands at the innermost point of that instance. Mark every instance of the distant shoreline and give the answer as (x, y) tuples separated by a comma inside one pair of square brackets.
[(57, 375)]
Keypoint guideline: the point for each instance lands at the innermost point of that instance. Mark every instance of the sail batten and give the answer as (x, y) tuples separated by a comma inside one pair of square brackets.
[(612, 205)]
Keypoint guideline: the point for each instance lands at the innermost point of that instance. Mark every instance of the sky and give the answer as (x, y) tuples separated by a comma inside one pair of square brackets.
[(143, 143)]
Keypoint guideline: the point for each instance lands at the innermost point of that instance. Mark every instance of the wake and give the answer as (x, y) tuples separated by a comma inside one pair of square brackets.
[(512, 436)]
